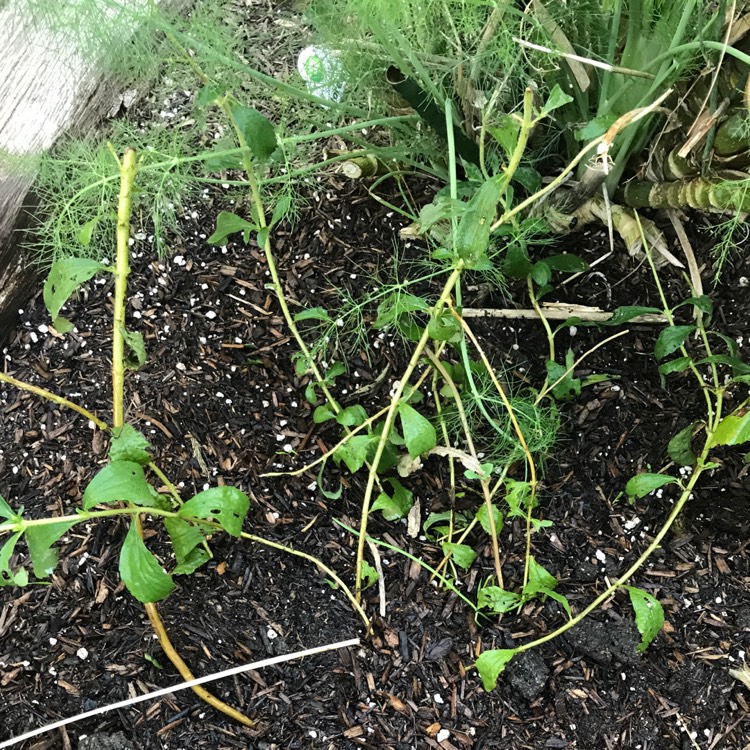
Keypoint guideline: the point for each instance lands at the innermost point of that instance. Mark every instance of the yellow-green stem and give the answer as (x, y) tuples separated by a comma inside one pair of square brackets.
[(523, 137), (390, 418), (670, 318), (122, 270), (102, 425), (485, 483), (633, 569), (545, 322), (521, 439)]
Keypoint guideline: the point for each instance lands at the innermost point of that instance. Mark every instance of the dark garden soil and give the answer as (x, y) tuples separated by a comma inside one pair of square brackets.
[(220, 402)]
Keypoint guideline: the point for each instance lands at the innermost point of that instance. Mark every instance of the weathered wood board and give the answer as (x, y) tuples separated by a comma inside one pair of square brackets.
[(47, 89)]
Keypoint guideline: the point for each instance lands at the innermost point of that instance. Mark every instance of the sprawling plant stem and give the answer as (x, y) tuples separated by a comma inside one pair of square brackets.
[(122, 271), (390, 419), (54, 398)]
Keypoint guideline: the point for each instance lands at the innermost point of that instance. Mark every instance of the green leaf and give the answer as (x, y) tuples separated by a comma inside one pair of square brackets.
[(330, 494), (9, 577), (137, 346), (738, 366), (732, 346), (432, 520), (569, 386), (497, 600), (228, 223), (313, 313), (484, 473), (6, 511), (120, 481), (207, 95), (281, 209), (129, 445), (194, 560), (397, 506), (257, 131), (732, 430), (419, 434), (323, 413), (628, 312), (396, 305), (185, 540), (649, 615), (185, 536), (141, 572), (352, 416), (557, 98), (528, 178), (674, 365), (506, 133), (39, 540), (228, 506), (543, 582), (369, 575), (518, 495), (86, 232), (65, 276), (703, 303), (671, 339), (354, 452), (541, 273), (473, 232), (62, 325), (336, 369), (642, 484), (680, 447), (595, 128), (484, 518), (445, 327), (462, 554), (516, 264), (567, 262), (491, 663)]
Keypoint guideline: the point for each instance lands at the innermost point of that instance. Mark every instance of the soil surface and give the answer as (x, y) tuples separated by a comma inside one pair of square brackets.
[(220, 402)]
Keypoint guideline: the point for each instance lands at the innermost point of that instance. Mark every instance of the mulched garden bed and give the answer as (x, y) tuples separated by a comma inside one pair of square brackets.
[(220, 402)]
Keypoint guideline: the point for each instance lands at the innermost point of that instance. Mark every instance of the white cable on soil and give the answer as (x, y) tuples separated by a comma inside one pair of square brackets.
[(182, 686)]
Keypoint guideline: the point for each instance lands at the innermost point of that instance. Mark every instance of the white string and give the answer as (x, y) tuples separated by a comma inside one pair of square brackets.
[(182, 686)]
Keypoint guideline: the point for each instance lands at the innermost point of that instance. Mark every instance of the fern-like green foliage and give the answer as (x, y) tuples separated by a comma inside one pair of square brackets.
[(456, 50), (78, 180)]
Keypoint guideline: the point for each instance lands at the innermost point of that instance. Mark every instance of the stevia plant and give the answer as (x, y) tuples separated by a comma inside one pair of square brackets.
[(123, 482), (713, 360)]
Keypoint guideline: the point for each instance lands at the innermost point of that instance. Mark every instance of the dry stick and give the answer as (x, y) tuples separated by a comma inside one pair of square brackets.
[(193, 683), (561, 311), (485, 483), (695, 274), (122, 271)]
